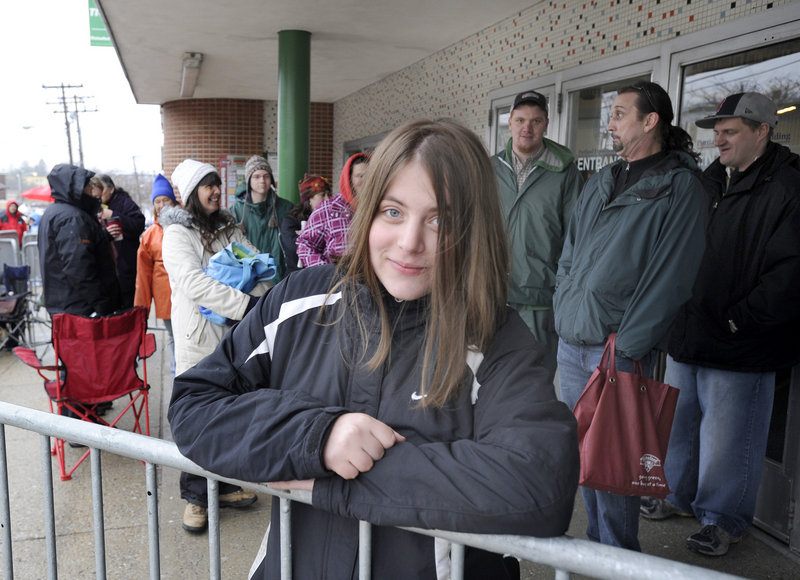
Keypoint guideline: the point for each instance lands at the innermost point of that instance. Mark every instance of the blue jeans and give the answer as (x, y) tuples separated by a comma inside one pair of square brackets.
[(613, 519), (718, 442)]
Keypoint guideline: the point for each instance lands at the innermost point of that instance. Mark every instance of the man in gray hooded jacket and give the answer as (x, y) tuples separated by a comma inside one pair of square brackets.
[(630, 258), (538, 183)]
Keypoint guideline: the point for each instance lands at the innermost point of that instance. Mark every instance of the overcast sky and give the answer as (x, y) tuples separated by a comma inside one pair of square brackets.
[(46, 42)]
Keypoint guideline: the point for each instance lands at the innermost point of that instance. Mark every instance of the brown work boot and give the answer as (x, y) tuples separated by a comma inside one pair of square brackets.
[(237, 499), (195, 518)]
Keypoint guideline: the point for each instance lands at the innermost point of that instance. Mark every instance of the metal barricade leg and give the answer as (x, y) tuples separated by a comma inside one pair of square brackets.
[(457, 553), (215, 568), (49, 508), (152, 521), (286, 539), (364, 550), (97, 509), (5, 509)]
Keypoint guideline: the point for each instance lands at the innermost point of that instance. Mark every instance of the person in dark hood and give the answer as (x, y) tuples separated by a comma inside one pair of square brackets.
[(260, 211), (75, 252)]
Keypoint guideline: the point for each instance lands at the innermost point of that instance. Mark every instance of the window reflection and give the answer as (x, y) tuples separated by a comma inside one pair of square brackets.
[(773, 70), (503, 133)]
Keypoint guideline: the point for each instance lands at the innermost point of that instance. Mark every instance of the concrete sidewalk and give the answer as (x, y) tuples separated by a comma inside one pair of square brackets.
[(185, 555)]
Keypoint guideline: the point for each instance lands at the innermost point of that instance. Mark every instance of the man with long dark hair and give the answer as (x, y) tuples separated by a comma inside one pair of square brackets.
[(633, 247)]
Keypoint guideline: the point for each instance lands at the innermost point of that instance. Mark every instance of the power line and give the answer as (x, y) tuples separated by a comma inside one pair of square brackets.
[(64, 102)]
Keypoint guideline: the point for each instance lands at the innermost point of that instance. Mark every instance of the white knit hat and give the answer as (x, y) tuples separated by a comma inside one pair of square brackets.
[(188, 174)]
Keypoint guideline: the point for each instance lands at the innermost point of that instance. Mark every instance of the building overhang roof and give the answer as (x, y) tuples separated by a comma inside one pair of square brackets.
[(354, 43)]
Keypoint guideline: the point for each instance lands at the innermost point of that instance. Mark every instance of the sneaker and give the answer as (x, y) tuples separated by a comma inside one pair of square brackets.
[(711, 541), (195, 518), (237, 499), (660, 509)]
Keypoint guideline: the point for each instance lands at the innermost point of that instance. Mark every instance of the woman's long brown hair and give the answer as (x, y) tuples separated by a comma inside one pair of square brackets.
[(468, 294)]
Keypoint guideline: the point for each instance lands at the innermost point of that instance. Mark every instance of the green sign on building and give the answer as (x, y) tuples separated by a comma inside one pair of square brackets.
[(98, 35)]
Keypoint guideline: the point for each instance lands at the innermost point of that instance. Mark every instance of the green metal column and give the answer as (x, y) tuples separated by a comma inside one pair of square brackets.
[(294, 109)]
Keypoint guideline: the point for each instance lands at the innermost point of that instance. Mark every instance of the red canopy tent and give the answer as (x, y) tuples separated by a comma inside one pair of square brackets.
[(40, 193)]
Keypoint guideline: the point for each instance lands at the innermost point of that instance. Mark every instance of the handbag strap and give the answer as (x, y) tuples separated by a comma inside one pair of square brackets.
[(609, 360)]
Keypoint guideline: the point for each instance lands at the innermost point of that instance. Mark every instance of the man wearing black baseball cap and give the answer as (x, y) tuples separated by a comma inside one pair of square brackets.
[(737, 113), (538, 183), (740, 325)]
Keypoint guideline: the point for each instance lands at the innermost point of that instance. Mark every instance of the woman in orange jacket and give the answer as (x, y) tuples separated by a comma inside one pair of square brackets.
[(152, 281)]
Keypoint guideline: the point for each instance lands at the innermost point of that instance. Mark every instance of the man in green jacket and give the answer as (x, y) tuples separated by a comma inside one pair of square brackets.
[(538, 183), (260, 211)]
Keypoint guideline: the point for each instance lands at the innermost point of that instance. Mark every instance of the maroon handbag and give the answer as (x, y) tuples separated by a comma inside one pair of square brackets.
[(624, 422)]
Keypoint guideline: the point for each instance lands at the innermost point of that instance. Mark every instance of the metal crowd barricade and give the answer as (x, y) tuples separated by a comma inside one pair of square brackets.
[(9, 248), (565, 555), (30, 256)]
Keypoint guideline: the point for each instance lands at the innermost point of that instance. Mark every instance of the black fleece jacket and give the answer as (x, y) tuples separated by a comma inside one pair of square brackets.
[(750, 273)]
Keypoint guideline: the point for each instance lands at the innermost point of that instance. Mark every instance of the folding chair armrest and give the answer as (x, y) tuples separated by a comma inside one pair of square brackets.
[(28, 356), (148, 347), (13, 297)]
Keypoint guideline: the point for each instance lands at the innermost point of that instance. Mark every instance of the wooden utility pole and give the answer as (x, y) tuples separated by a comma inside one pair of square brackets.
[(64, 103), (77, 100)]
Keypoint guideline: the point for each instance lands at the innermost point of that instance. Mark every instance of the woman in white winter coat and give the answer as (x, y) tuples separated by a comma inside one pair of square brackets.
[(192, 235)]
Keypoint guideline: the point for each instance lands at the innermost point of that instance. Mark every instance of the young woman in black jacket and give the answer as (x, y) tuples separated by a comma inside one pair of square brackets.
[(396, 386)]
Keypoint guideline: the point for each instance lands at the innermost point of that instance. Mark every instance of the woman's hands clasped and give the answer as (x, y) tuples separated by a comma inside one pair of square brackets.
[(355, 443)]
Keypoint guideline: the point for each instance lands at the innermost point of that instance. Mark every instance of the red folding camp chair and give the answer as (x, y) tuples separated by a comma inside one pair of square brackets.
[(96, 362)]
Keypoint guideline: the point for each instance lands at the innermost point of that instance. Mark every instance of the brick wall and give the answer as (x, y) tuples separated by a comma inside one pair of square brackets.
[(207, 129), (320, 155)]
